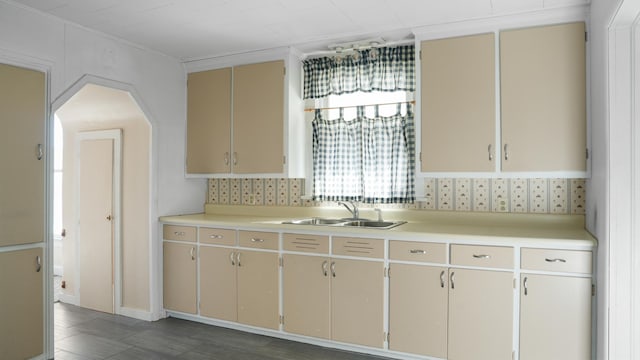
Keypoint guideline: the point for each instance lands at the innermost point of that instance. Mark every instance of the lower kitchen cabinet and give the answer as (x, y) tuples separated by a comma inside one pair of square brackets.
[(418, 308), (258, 288), (218, 289), (180, 271), (480, 315), (555, 317), (336, 299), (357, 306), (21, 328), (307, 295)]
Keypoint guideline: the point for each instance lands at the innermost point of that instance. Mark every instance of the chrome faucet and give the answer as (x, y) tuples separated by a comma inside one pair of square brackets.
[(353, 209)]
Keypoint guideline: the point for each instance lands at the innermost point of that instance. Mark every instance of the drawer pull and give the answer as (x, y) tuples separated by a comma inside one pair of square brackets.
[(216, 236), (179, 233), (442, 279), (483, 256), (418, 251), (257, 240), (555, 260), (324, 267)]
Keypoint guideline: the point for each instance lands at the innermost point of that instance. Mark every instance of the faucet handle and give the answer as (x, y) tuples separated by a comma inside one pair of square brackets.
[(379, 211)]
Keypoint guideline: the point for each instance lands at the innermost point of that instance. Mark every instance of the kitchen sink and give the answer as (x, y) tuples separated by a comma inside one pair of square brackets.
[(374, 224), (357, 223)]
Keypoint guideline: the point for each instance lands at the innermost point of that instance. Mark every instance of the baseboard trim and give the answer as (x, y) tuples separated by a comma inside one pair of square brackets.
[(69, 299), (135, 313)]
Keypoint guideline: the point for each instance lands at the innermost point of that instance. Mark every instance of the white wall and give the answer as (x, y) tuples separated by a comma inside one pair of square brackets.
[(68, 52)]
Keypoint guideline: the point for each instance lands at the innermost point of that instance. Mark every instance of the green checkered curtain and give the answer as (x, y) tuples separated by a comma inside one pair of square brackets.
[(337, 158), (388, 157), (376, 69), (368, 159)]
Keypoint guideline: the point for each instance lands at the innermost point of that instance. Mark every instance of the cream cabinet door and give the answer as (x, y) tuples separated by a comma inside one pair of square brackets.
[(307, 295), (418, 308), (357, 293), (555, 318), (22, 158), (543, 97), (21, 304), (180, 272), (258, 289), (258, 118), (458, 104), (209, 122), (480, 315), (218, 290)]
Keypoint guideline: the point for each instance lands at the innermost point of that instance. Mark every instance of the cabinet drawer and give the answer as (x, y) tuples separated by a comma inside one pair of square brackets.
[(556, 260), (372, 248), (482, 256), (258, 239), (217, 236), (417, 251), (306, 243), (180, 233)]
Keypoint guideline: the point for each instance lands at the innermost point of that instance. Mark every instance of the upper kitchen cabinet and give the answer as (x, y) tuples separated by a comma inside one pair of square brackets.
[(22, 145), (458, 104), (209, 122), (245, 120), (543, 97)]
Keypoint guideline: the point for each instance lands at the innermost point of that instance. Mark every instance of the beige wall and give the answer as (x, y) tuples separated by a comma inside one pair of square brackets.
[(99, 108)]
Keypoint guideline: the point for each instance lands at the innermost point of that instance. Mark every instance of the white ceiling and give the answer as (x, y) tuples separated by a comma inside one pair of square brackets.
[(196, 29)]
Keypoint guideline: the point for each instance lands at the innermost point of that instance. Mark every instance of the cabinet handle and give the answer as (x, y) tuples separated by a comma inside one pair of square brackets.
[(39, 152), (238, 259), (324, 267), (442, 279), (193, 253), (179, 233), (226, 158), (257, 240), (38, 264), (333, 269), (555, 260), (506, 152), (235, 158), (490, 152), (452, 278), (524, 285), (215, 236), (483, 256), (418, 251), (233, 263)]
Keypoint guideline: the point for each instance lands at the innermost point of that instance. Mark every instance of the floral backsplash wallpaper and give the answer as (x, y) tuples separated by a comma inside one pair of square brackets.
[(550, 196)]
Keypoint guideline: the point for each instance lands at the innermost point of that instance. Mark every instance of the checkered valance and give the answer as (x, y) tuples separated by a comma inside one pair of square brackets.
[(367, 159), (376, 69)]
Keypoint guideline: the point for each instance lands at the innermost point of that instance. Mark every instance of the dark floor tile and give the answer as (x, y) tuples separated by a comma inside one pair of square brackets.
[(136, 353), (107, 329), (162, 342), (91, 346)]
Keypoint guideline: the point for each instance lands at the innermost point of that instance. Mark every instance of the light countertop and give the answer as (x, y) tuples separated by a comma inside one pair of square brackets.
[(553, 231)]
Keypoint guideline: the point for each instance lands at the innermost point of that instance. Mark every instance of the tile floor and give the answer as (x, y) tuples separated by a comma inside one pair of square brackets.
[(82, 334)]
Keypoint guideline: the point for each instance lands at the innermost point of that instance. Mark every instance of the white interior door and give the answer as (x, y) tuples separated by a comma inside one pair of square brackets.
[(97, 162)]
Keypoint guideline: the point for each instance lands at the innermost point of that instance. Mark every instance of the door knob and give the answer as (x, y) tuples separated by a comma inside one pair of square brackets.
[(109, 217)]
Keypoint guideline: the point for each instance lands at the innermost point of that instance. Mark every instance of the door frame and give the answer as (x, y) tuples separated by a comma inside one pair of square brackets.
[(116, 136)]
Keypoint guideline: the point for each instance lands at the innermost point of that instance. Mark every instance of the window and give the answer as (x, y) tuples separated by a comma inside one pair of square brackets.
[(364, 143)]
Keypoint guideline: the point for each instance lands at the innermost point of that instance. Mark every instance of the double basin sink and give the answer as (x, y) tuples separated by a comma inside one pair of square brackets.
[(347, 222)]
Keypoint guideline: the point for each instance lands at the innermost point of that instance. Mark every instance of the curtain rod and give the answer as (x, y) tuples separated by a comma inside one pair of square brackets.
[(352, 106)]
